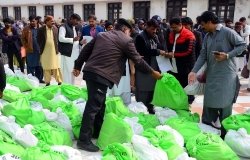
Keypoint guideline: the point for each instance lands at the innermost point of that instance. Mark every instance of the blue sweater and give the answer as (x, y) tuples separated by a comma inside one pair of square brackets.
[(86, 30)]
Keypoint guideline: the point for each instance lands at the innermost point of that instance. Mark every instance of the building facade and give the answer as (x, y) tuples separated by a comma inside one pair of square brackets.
[(113, 9)]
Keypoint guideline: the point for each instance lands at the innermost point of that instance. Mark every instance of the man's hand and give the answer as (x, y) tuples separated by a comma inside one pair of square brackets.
[(169, 55), (220, 57), (191, 77), (156, 75), (84, 41), (76, 72), (1, 94), (76, 39), (162, 53)]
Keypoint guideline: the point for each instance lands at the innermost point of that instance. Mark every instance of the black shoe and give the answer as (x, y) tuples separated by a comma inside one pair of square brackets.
[(90, 147), (41, 81), (47, 84), (59, 83)]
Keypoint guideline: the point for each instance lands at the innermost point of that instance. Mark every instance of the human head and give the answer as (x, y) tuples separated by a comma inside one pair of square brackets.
[(74, 19), (32, 20), (124, 26), (49, 21), (39, 19), (158, 18), (164, 21), (92, 20), (7, 22), (187, 22), (209, 21), (108, 26), (243, 20), (141, 24), (238, 26), (229, 23), (151, 27), (175, 25)]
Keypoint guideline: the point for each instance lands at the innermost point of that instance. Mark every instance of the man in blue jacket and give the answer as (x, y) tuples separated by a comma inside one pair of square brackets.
[(92, 29)]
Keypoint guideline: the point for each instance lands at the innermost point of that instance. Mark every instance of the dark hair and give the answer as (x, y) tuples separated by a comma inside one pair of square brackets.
[(198, 19), (238, 23), (175, 21), (7, 20), (209, 16), (242, 19), (38, 18), (75, 16), (187, 20), (228, 21), (108, 24), (152, 23), (92, 16), (32, 17)]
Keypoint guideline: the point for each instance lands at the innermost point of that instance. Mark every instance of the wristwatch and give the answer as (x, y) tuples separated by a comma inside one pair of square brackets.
[(227, 56)]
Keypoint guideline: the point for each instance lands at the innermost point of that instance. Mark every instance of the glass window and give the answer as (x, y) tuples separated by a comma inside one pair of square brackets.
[(17, 11), (88, 9), (114, 11), (5, 12), (49, 10), (176, 8), (142, 10), (32, 10), (68, 10)]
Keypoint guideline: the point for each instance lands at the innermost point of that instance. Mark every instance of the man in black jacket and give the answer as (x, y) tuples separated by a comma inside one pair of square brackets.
[(105, 58), (148, 45), (2, 78)]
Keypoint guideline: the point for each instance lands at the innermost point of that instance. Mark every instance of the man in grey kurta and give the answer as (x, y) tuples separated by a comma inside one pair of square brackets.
[(222, 83)]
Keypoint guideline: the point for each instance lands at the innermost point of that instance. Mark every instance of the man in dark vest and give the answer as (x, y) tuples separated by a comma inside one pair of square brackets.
[(68, 46)]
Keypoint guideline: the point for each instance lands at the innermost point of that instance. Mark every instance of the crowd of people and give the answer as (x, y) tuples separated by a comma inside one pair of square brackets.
[(120, 57)]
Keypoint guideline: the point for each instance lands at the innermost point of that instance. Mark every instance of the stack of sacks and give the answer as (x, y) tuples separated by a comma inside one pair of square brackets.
[(21, 135), (164, 114), (239, 142)]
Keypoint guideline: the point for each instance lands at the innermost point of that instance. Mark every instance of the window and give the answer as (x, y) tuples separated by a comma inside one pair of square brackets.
[(17, 11), (68, 11), (32, 10), (142, 10), (88, 9), (176, 8), (224, 9), (49, 10), (5, 12), (114, 11)]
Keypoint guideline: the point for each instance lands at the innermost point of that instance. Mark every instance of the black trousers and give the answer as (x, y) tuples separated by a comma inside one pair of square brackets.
[(210, 115), (94, 111), (19, 59), (36, 71), (146, 98)]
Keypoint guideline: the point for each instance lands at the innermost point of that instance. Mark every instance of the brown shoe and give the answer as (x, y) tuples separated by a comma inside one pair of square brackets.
[(248, 89)]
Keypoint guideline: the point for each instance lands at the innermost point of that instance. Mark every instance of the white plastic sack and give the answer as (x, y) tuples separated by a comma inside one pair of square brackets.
[(2, 103), (196, 88), (178, 137), (146, 151), (135, 126), (70, 152), (50, 116), (239, 142), (80, 105), (37, 106), (97, 157), (60, 97), (25, 137), (9, 156), (13, 88), (208, 129), (8, 125), (33, 80), (138, 107), (164, 114), (8, 71)]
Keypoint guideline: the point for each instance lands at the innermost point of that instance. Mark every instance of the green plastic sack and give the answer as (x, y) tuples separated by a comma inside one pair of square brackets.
[(186, 128), (206, 146), (73, 92), (41, 99), (8, 145), (52, 134), (119, 151), (114, 129), (76, 125), (42, 153), (84, 93), (21, 83), (47, 92), (169, 93), (165, 141), (115, 105), (23, 113), (11, 96), (148, 120), (109, 157), (195, 117), (237, 121)]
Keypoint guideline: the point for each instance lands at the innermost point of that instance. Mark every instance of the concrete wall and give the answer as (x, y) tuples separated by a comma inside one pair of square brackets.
[(101, 10), (196, 7), (127, 9), (242, 10), (158, 7)]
